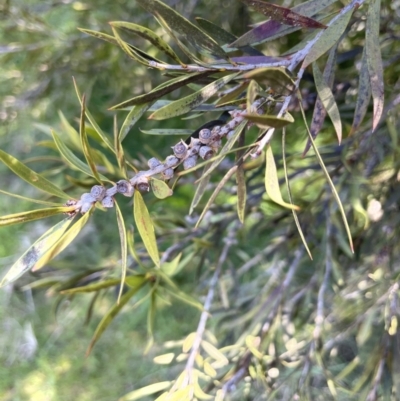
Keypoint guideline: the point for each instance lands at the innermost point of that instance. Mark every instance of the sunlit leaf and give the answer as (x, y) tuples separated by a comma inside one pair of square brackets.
[(35, 252), (160, 189), (190, 32), (124, 248), (214, 352), (145, 391), (32, 215), (145, 227), (266, 120), (149, 35), (170, 268), (283, 15), (190, 102), (328, 38), (374, 59), (110, 315), (164, 359), (272, 182), (363, 94), (328, 100), (31, 177)]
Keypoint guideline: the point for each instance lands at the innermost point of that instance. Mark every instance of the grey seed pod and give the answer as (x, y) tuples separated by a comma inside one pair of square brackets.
[(111, 191), (190, 161), (142, 184), (125, 188), (108, 202), (168, 173), (88, 198), (239, 118), (224, 130), (215, 130), (230, 134), (86, 206), (205, 136), (98, 192), (206, 152), (171, 161), (153, 162), (216, 145), (180, 149), (232, 124)]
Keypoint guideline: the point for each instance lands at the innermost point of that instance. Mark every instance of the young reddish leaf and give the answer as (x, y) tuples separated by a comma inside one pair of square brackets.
[(190, 102), (363, 94), (85, 143), (190, 32), (145, 227), (266, 120), (328, 100), (110, 315), (124, 248), (31, 177), (283, 15), (149, 35), (328, 38), (319, 113), (374, 59), (32, 215), (160, 188), (62, 242), (34, 253)]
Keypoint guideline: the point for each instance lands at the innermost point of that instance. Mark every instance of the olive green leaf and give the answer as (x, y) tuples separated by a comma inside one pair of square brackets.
[(145, 391), (149, 35), (160, 189), (119, 150), (32, 215), (241, 192), (62, 242), (85, 143), (190, 102), (34, 253), (92, 287), (145, 227), (70, 131), (201, 188), (132, 118), (272, 182), (266, 120), (374, 59), (124, 248), (363, 93), (190, 32), (170, 268), (328, 38), (31, 177), (40, 202), (328, 100), (92, 121), (110, 315), (168, 131)]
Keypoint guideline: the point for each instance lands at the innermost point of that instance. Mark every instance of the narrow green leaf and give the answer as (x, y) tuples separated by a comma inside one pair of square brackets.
[(32, 215), (34, 253), (85, 143), (145, 227), (241, 192), (160, 189), (62, 242), (266, 120), (124, 248), (92, 121), (190, 102), (170, 268), (363, 93), (40, 202), (295, 217), (71, 132), (328, 178), (151, 315), (149, 35), (190, 32), (328, 38), (182, 296), (119, 150), (132, 118), (328, 100), (144, 391), (72, 160), (92, 287), (110, 315), (374, 59), (31, 177), (201, 188), (168, 131), (201, 108), (272, 182)]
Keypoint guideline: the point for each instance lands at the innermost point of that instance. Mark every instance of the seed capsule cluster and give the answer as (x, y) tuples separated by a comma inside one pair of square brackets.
[(204, 147)]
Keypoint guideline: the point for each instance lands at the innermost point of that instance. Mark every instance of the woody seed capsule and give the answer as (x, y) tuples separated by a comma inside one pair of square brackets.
[(205, 136), (88, 198), (142, 184), (206, 152), (108, 202), (125, 188), (98, 192), (168, 173), (180, 149), (171, 161), (153, 162), (190, 162)]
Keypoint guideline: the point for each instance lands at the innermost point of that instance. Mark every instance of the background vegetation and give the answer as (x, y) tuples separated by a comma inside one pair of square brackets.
[(282, 326)]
